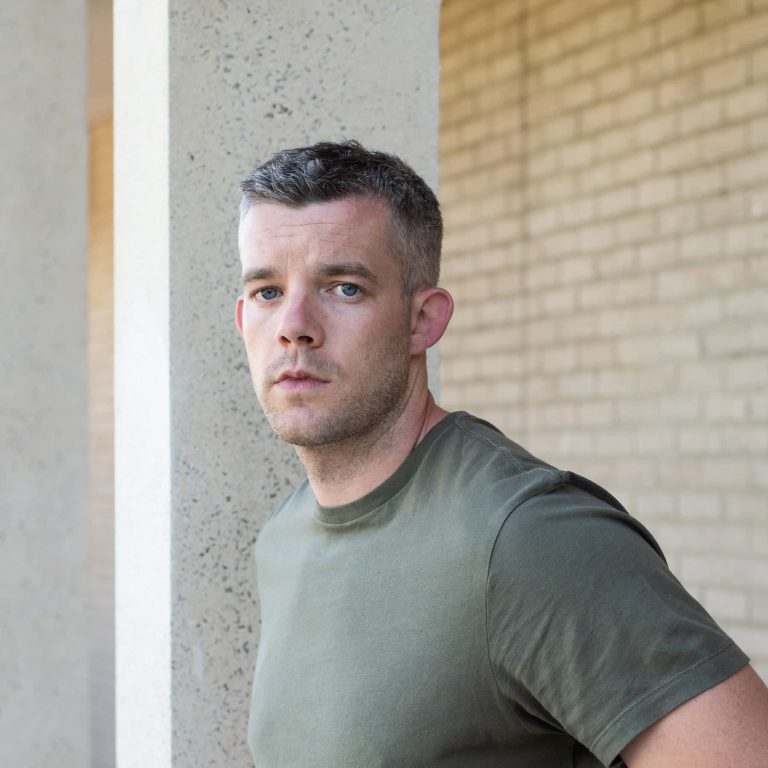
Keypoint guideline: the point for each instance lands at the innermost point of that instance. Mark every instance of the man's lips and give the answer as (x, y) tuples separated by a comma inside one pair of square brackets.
[(299, 380)]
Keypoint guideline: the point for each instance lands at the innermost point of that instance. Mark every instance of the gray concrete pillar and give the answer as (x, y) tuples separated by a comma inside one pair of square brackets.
[(44, 714), (202, 90)]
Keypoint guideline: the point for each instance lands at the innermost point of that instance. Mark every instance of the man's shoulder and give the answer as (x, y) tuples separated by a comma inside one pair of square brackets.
[(502, 455), (478, 438), (468, 470), (300, 495)]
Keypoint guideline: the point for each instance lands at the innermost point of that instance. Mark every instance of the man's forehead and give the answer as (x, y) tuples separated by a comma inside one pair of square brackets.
[(339, 231), (268, 216), (351, 225)]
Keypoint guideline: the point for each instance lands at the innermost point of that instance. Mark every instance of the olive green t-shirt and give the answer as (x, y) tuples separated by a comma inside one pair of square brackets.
[(479, 608)]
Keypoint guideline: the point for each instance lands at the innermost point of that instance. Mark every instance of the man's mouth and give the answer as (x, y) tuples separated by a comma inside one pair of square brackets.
[(299, 380)]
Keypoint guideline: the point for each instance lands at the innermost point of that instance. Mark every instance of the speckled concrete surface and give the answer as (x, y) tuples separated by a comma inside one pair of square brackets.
[(44, 715), (197, 467)]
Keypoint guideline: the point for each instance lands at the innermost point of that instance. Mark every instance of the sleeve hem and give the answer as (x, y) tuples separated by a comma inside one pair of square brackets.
[(663, 699)]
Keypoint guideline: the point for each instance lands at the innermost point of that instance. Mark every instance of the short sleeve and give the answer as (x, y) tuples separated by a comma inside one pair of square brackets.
[(588, 630)]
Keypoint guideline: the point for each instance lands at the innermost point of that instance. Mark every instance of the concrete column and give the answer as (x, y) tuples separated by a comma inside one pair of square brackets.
[(203, 90), (44, 715)]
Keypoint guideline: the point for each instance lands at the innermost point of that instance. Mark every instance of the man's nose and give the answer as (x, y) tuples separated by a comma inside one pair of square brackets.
[(300, 322)]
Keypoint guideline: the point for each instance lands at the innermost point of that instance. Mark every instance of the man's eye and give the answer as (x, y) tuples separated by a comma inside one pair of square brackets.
[(266, 294), (347, 289)]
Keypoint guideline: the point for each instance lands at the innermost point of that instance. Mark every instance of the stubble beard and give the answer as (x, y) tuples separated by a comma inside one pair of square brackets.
[(356, 418)]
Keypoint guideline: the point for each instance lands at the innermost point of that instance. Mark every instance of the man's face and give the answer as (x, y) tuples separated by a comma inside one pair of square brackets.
[(325, 325)]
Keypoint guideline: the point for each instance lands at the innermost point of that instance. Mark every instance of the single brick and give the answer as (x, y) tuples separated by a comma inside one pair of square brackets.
[(681, 23), (726, 603), (746, 373), (635, 105), (654, 130), (747, 102), (680, 90), (660, 65), (594, 58), (578, 385), (723, 75), (615, 81), (651, 9), (575, 35), (699, 506), (657, 192), (747, 170), (636, 43), (747, 32), (596, 118), (723, 142), (678, 219), (559, 14), (725, 408), (702, 115), (717, 13), (703, 48)]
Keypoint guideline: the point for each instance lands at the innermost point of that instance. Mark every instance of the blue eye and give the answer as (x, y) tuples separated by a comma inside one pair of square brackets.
[(266, 294), (348, 289)]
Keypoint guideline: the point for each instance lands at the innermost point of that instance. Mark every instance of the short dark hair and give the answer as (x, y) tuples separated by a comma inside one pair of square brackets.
[(330, 171)]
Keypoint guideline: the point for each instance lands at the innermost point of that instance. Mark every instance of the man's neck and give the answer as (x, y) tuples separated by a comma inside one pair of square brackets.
[(347, 470)]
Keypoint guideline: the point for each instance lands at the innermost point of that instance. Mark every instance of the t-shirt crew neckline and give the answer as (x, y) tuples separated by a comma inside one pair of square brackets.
[(354, 510)]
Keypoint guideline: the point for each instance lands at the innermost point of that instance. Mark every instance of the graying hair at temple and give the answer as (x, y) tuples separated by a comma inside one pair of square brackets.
[(330, 171)]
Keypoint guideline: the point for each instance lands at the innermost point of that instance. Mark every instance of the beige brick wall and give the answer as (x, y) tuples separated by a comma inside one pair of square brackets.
[(604, 180), (100, 311)]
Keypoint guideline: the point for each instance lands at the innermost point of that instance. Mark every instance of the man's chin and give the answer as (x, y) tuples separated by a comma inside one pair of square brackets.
[(301, 431)]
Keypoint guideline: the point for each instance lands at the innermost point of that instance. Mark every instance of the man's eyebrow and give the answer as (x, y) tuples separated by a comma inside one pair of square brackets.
[(351, 268), (258, 273), (337, 269)]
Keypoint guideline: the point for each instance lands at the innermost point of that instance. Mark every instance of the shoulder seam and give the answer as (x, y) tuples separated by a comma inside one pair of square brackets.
[(555, 474)]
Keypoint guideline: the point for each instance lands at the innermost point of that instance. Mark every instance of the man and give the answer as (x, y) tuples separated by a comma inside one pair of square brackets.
[(434, 595)]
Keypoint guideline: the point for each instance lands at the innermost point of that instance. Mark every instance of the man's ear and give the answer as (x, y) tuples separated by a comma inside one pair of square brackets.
[(431, 309), (239, 314)]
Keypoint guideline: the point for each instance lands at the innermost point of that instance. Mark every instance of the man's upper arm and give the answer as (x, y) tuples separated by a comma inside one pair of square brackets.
[(726, 725), (588, 630)]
